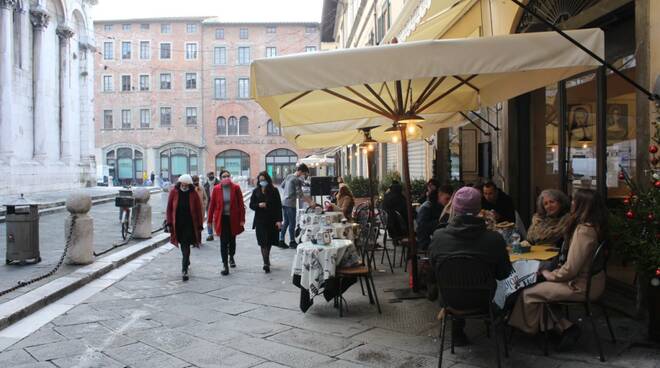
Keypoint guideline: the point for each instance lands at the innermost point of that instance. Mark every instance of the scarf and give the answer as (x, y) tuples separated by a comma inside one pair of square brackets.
[(547, 229)]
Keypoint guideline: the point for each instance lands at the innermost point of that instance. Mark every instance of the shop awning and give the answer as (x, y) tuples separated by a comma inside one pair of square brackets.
[(441, 16)]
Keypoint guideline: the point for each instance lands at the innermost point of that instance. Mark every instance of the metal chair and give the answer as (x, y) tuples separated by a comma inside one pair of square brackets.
[(398, 234), (598, 265), (467, 285)]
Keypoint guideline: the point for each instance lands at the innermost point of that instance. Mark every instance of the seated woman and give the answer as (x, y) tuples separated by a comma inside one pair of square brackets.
[(550, 221), (587, 227), (345, 201), (394, 200), (428, 217)]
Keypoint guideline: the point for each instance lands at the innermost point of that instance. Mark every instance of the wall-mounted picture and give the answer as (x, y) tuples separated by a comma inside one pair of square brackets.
[(617, 121), (580, 120)]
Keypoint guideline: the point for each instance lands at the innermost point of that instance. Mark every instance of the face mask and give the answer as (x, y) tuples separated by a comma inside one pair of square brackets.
[(184, 188), (226, 181), (263, 183), (211, 178)]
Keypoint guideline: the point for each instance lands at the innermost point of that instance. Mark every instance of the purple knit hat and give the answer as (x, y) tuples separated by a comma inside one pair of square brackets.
[(467, 200)]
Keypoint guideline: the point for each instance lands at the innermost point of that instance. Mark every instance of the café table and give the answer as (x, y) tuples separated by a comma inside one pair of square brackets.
[(538, 252)]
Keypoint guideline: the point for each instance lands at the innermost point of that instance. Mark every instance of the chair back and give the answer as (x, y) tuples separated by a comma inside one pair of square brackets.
[(361, 214), (465, 282), (396, 226), (598, 263)]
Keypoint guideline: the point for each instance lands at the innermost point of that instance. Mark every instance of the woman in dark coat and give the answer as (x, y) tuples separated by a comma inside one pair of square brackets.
[(184, 219), (267, 206)]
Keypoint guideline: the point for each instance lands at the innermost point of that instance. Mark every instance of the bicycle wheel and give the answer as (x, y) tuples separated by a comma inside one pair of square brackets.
[(124, 229)]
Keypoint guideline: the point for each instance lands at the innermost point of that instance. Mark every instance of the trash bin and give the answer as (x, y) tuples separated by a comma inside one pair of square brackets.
[(22, 221)]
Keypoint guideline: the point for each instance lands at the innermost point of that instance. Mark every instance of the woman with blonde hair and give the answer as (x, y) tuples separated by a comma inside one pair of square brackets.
[(345, 201)]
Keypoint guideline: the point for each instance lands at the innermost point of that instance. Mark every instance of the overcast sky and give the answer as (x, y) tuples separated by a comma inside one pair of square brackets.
[(227, 10)]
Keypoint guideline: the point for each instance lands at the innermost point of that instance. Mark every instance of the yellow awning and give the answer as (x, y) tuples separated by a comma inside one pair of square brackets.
[(441, 17)]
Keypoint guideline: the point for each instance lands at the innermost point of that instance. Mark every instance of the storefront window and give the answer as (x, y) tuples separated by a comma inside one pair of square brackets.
[(125, 165), (280, 163), (177, 161), (235, 161), (581, 94)]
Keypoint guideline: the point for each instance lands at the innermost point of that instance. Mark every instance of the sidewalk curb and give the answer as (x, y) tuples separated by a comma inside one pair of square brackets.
[(28, 303)]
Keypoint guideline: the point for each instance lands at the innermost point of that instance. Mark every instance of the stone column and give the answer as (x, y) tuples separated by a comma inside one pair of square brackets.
[(39, 18), (66, 125), (24, 31), (7, 122), (142, 214), (81, 244)]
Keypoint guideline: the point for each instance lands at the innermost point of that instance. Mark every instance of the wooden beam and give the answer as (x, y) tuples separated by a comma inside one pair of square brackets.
[(452, 89), (428, 92), (365, 99), (295, 99), (348, 99), (377, 95)]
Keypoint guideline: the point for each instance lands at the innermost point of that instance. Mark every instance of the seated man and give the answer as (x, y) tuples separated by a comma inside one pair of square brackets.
[(500, 203), (466, 234)]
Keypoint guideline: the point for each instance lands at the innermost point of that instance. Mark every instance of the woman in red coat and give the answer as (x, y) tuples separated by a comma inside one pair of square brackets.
[(184, 219), (227, 216)]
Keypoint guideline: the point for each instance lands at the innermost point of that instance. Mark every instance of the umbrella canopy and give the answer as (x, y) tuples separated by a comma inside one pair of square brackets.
[(425, 77)]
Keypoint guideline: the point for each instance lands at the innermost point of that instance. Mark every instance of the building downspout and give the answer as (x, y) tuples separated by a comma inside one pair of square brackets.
[(201, 164)]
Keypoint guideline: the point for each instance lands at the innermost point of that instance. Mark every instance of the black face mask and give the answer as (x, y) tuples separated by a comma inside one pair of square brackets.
[(211, 178)]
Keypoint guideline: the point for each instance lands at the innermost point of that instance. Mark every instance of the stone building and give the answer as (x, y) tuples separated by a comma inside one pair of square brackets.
[(46, 66), (172, 97)]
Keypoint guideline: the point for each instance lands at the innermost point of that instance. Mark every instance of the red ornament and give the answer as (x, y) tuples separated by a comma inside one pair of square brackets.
[(650, 216), (654, 161), (626, 201), (622, 175), (657, 272), (630, 215), (653, 149), (657, 184)]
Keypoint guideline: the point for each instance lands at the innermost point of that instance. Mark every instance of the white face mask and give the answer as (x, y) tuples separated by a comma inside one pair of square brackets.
[(185, 188)]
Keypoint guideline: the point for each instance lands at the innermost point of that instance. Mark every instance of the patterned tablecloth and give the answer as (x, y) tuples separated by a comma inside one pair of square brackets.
[(317, 263)]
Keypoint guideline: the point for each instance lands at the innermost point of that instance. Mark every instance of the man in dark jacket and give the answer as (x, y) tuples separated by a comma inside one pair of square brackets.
[(496, 200), (467, 234), (208, 188)]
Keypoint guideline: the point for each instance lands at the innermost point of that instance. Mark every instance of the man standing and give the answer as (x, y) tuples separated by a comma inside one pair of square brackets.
[(292, 186), (208, 188), (499, 202)]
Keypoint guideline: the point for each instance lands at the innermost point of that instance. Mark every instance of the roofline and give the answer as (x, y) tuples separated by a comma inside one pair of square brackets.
[(214, 22), (145, 20)]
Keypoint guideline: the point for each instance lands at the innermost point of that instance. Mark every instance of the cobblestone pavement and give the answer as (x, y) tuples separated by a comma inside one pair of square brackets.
[(51, 240), (251, 319)]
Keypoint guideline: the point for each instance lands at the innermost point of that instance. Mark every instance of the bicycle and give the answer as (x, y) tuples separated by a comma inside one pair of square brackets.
[(126, 202)]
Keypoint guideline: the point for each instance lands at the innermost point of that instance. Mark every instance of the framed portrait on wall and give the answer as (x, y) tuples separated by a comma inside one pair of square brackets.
[(581, 121), (617, 121)]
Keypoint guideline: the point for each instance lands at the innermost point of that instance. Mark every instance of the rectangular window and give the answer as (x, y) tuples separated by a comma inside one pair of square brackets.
[(145, 118), (108, 51), (310, 48), (165, 28), (144, 26), (107, 83), (243, 55), (126, 119), (125, 83), (165, 50), (107, 119), (220, 88), (219, 33), (191, 116), (191, 80), (310, 29), (270, 29), (126, 27), (126, 50), (191, 51), (191, 28), (107, 27), (243, 88), (243, 33), (271, 51), (165, 116), (165, 81), (220, 56), (145, 50), (144, 82)]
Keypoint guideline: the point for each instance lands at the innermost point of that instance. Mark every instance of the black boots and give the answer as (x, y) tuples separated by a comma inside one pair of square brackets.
[(232, 263), (282, 245), (265, 255), (225, 270), (184, 275)]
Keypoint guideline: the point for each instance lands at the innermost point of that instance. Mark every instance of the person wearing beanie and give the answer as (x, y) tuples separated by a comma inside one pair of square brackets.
[(184, 218), (466, 234)]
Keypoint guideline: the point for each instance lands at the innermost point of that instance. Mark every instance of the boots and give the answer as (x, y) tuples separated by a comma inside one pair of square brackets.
[(265, 254), (184, 275), (225, 270), (232, 263)]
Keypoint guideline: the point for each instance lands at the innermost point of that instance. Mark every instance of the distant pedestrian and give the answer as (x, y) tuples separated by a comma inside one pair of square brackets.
[(211, 182), (153, 177), (144, 176), (227, 216), (184, 219), (267, 206), (202, 195), (292, 186)]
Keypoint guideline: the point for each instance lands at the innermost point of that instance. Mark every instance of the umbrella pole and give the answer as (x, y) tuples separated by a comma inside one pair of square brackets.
[(371, 184), (412, 251)]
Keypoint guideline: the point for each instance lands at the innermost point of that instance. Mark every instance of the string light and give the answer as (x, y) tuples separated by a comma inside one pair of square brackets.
[(395, 139), (411, 129)]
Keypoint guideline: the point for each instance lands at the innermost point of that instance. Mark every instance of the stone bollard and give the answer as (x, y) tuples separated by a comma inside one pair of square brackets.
[(81, 246), (142, 214)]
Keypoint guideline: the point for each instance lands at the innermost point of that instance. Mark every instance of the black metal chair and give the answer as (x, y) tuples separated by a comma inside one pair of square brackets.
[(397, 230), (383, 218), (467, 286), (598, 265)]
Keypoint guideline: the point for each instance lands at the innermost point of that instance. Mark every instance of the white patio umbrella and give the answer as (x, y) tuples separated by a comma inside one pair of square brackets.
[(406, 82)]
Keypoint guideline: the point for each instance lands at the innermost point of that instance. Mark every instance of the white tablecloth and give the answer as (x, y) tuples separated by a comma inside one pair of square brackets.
[(317, 263)]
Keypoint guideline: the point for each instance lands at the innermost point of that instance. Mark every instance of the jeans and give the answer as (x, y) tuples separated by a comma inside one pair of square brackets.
[(227, 241), (289, 222)]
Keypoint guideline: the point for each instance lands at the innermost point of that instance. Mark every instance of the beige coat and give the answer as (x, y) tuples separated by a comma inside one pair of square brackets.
[(567, 283), (202, 198)]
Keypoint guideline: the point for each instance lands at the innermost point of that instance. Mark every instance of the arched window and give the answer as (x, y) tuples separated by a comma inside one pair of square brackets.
[(176, 161), (235, 161), (280, 163), (126, 165), (221, 126), (272, 129), (232, 126), (243, 126)]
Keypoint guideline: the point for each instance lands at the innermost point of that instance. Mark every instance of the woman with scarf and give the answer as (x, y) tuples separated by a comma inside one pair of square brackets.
[(227, 216), (184, 219), (551, 219), (267, 206)]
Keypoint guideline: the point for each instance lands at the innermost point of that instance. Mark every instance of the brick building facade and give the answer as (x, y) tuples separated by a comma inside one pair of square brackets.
[(172, 97)]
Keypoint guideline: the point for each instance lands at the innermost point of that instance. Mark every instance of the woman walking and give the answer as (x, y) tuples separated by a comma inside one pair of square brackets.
[(184, 219), (227, 216), (202, 195), (267, 206)]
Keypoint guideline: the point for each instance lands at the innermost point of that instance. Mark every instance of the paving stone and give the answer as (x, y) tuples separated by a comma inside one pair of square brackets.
[(381, 356), (270, 365), (144, 356), (35, 365), (213, 332), (171, 320), (125, 325), (280, 353), (344, 364), (281, 299), (415, 344), (218, 356), (90, 360), (233, 307), (250, 326), (76, 331), (83, 314), (57, 350), (170, 341), (240, 292), (42, 336), (15, 357), (318, 342)]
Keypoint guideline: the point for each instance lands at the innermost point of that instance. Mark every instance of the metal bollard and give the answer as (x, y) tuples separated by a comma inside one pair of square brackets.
[(142, 214), (79, 225)]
